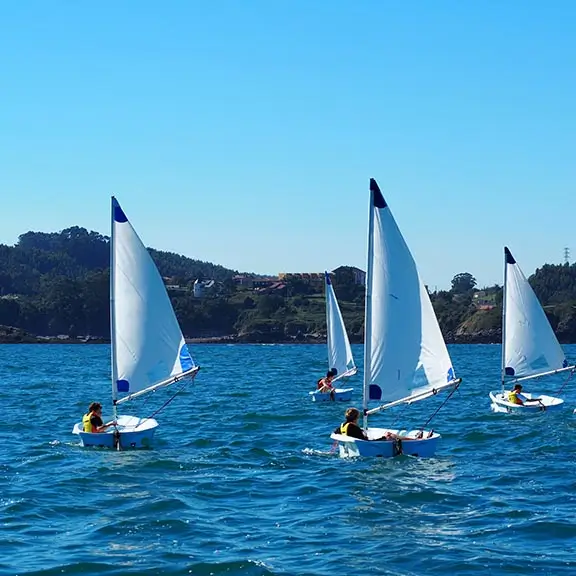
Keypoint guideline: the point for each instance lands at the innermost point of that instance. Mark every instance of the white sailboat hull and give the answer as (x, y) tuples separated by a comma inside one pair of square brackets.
[(353, 447), (134, 432), (339, 395), (500, 403)]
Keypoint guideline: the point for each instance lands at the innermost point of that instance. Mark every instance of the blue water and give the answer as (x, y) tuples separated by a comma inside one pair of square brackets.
[(242, 480)]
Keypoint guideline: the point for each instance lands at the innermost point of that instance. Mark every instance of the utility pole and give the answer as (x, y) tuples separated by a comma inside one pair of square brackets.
[(566, 255)]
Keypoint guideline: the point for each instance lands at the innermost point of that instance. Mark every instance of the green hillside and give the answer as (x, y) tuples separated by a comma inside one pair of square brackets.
[(57, 284)]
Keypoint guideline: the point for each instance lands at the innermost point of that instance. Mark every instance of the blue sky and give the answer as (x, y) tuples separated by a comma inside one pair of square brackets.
[(245, 132)]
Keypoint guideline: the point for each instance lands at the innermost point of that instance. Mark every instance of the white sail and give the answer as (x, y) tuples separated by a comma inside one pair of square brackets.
[(339, 350), (148, 348), (406, 358), (530, 345)]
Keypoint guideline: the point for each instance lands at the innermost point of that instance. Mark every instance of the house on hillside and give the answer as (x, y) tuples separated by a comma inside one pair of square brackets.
[(254, 282), (203, 288), (277, 288), (358, 274), (263, 282), (315, 279), (244, 281), (176, 288), (483, 300), (172, 286)]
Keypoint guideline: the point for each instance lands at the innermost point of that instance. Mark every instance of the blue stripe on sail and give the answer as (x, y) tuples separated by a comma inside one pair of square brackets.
[(508, 371), (122, 385), (119, 215), (450, 375), (328, 281), (186, 361), (565, 363)]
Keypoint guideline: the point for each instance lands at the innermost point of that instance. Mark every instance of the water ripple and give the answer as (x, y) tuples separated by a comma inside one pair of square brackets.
[(242, 479)]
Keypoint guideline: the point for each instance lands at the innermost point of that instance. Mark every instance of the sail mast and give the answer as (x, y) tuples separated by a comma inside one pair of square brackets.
[(328, 322), (507, 255), (368, 305), (112, 311)]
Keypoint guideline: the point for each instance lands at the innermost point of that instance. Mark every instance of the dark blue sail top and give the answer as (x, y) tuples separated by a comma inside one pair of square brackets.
[(508, 256), (377, 197), (119, 215)]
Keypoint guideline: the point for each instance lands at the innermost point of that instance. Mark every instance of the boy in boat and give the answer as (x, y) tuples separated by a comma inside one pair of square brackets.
[(92, 420), (325, 384), (351, 428), (516, 396)]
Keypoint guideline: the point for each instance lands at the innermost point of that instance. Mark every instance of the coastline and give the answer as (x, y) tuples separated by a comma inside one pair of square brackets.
[(246, 339), (11, 335)]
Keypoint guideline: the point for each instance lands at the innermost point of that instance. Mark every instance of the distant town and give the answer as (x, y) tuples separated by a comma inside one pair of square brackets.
[(265, 284)]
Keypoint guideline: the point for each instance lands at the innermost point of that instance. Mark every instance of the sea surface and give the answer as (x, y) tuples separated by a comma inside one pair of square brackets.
[(242, 479)]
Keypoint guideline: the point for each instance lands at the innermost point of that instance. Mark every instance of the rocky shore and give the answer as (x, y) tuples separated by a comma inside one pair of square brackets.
[(11, 335)]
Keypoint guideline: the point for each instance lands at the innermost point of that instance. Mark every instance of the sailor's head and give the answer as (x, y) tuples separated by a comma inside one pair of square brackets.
[(95, 407), (331, 373), (352, 414), (517, 388)]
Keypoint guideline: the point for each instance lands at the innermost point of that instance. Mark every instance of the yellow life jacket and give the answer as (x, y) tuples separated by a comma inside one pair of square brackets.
[(344, 428), (87, 425), (513, 398)]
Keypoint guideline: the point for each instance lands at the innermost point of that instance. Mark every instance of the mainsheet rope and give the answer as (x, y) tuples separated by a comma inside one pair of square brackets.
[(565, 383), (185, 381), (439, 407)]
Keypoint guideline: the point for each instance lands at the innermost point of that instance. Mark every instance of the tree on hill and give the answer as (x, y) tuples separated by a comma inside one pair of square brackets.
[(462, 283), (554, 283)]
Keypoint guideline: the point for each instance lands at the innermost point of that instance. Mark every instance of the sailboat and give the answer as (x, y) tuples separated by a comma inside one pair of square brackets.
[(405, 356), (530, 348), (148, 348), (339, 350)]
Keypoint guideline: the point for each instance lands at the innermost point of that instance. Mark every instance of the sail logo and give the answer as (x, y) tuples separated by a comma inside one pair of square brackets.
[(374, 392), (122, 385), (186, 361)]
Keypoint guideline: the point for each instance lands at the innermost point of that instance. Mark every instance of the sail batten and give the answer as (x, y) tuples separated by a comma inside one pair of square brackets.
[(339, 349), (148, 346), (405, 356), (530, 347)]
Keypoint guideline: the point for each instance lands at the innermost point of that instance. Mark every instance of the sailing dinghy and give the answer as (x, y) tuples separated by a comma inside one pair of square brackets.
[(148, 348), (405, 356), (339, 350), (530, 348)]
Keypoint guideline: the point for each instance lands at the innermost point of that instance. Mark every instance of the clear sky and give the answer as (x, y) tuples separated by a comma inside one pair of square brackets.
[(244, 132)]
